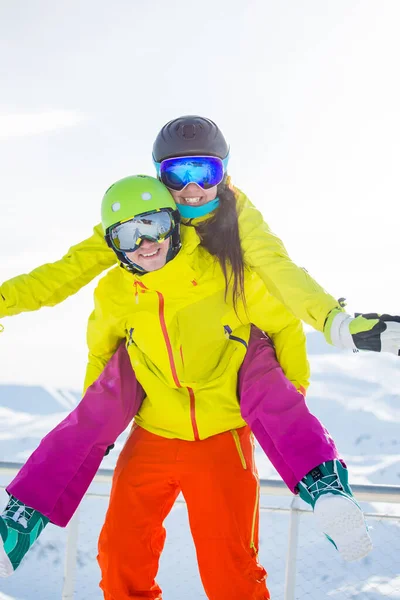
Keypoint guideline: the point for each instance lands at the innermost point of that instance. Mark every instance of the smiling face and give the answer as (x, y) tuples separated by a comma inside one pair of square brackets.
[(150, 256), (194, 195)]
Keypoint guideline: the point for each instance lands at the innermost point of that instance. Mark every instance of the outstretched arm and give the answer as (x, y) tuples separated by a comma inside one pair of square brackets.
[(52, 283), (266, 254)]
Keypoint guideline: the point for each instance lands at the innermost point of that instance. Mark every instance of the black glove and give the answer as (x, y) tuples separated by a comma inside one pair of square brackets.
[(109, 449)]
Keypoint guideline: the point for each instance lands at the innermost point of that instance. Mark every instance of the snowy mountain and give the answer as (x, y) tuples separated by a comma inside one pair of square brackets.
[(357, 397)]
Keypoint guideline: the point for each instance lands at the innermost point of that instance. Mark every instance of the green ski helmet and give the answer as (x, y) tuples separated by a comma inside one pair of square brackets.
[(135, 196)]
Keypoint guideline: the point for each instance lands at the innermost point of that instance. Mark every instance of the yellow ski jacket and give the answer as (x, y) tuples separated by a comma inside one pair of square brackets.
[(186, 343)]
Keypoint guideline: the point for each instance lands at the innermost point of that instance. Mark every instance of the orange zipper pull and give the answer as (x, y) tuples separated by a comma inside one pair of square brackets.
[(136, 293)]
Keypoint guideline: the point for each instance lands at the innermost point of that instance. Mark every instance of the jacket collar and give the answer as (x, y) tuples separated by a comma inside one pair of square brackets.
[(178, 273)]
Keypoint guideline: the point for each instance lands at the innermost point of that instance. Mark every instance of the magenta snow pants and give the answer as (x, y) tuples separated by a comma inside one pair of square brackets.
[(56, 476), (58, 473), (293, 439)]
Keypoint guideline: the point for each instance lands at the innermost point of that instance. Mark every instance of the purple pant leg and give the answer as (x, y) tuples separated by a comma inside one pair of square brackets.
[(59, 472), (293, 439)]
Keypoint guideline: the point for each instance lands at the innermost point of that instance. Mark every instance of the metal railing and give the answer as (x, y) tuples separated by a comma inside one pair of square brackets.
[(389, 494)]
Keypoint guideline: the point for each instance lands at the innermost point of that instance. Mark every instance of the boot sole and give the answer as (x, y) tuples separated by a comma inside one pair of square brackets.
[(6, 568), (341, 519)]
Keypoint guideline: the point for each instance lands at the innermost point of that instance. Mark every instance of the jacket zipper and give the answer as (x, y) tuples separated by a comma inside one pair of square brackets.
[(235, 338), (193, 414), (171, 357), (173, 366), (140, 284)]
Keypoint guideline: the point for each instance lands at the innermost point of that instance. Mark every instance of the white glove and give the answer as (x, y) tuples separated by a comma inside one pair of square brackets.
[(373, 332)]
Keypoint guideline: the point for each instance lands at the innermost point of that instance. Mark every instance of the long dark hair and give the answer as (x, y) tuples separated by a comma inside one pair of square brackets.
[(220, 236)]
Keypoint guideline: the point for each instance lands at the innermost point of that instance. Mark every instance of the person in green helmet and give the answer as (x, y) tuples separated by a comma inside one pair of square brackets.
[(189, 435), (159, 219)]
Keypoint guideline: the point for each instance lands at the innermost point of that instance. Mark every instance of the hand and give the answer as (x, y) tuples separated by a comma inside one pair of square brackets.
[(373, 332)]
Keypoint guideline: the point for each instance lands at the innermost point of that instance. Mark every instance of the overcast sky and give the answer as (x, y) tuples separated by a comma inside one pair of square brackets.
[(307, 93)]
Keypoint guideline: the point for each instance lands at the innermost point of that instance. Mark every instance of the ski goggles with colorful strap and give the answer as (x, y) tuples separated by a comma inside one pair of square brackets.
[(205, 171), (153, 226)]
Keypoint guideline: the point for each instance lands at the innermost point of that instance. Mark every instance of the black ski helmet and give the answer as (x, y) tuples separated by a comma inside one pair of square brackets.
[(190, 135)]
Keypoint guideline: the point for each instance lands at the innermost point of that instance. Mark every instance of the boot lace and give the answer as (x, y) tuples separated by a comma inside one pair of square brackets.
[(17, 512), (324, 484)]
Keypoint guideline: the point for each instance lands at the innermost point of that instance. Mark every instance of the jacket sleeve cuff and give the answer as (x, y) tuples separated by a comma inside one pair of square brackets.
[(4, 312), (337, 331)]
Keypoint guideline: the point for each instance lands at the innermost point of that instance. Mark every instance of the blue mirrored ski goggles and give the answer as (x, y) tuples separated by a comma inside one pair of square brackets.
[(153, 226), (206, 171)]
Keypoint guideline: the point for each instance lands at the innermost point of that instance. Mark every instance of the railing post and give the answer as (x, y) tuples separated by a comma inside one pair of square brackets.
[(290, 573), (71, 552)]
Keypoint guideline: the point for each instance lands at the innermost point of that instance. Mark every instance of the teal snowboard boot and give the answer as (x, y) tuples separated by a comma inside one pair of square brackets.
[(20, 526), (326, 488)]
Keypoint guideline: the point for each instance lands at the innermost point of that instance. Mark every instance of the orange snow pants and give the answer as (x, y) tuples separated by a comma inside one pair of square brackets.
[(219, 482)]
